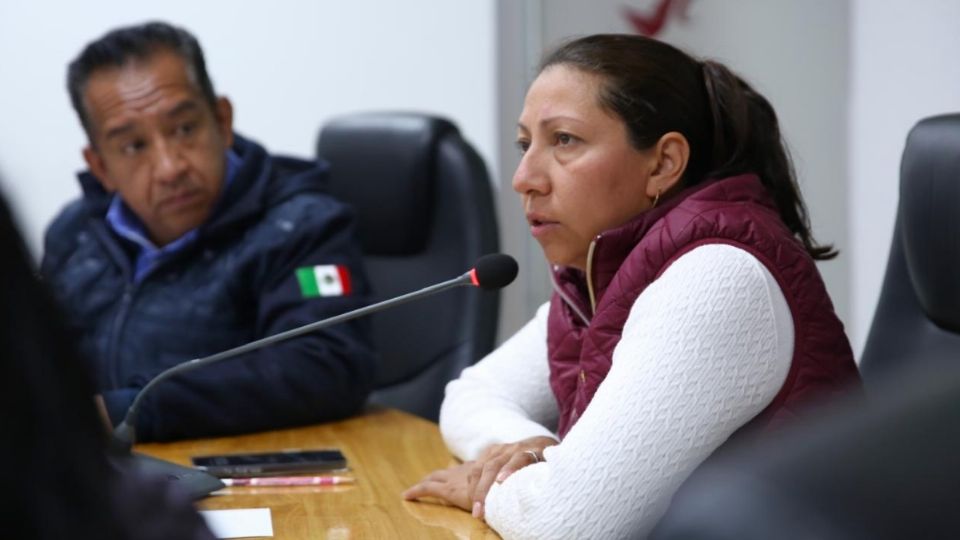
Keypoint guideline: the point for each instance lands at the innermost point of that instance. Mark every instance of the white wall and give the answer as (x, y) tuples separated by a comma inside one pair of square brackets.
[(905, 65), (519, 47), (286, 64)]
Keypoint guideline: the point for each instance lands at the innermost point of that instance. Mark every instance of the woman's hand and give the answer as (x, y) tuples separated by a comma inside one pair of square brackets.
[(450, 485), (498, 462), (466, 485)]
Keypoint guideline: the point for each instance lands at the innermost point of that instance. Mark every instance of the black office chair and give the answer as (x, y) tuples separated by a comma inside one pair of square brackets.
[(883, 467), (426, 213), (918, 315)]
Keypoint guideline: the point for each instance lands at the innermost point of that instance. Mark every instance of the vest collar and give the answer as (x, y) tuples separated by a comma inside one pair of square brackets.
[(610, 248)]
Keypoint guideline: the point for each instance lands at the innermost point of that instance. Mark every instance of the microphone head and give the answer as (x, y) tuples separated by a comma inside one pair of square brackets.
[(494, 271)]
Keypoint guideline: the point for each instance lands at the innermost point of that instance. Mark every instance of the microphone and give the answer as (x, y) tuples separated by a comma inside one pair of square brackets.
[(491, 272)]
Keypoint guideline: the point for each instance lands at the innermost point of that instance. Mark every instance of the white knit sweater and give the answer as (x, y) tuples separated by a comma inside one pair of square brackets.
[(705, 348)]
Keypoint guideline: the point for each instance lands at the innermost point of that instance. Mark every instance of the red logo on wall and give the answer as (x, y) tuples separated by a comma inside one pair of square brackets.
[(651, 24)]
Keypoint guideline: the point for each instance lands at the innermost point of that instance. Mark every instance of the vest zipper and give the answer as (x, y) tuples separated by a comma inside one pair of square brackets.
[(593, 299)]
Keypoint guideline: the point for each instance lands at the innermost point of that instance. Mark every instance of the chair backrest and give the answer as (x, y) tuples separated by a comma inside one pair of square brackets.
[(426, 213), (918, 315), (854, 468)]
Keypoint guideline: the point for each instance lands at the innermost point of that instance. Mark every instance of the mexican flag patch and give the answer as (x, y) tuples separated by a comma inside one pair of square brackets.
[(324, 280)]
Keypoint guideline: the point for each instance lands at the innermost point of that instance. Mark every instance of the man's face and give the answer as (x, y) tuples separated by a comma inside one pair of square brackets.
[(157, 142)]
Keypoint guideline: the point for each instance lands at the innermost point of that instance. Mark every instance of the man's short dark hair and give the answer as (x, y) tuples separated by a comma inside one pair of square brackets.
[(120, 46)]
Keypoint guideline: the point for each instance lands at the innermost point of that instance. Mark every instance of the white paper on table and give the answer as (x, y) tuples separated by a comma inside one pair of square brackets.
[(239, 523)]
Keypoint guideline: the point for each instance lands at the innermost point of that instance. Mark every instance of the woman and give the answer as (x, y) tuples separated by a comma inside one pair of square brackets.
[(686, 302)]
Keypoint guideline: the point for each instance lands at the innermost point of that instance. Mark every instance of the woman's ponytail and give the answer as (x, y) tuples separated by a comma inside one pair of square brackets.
[(746, 138)]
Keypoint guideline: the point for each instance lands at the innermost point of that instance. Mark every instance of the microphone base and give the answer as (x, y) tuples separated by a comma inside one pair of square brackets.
[(196, 483)]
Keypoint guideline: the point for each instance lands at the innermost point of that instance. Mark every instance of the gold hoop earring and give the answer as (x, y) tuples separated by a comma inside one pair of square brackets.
[(656, 199)]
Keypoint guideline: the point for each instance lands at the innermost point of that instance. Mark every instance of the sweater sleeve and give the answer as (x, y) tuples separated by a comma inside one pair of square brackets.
[(506, 397), (706, 347)]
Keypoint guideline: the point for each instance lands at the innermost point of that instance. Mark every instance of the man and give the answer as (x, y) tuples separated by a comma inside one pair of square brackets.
[(189, 240)]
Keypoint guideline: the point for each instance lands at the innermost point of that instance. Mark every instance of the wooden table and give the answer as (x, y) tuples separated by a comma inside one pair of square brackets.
[(387, 450)]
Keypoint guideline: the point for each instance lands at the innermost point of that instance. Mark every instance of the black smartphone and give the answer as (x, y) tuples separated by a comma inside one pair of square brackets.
[(271, 463)]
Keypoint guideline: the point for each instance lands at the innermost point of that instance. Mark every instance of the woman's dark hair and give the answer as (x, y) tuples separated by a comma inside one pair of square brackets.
[(120, 46), (732, 129)]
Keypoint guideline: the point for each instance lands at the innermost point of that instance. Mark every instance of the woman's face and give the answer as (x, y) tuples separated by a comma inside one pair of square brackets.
[(579, 174)]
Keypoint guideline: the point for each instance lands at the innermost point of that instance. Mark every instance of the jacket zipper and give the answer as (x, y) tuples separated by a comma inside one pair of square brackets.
[(112, 359), (113, 356)]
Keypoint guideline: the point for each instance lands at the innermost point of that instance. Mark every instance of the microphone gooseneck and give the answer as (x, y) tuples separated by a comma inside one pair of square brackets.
[(492, 271)]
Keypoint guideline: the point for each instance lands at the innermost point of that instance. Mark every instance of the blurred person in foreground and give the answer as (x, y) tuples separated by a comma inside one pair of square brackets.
[(687, 305), (58, 481), (190, 239)]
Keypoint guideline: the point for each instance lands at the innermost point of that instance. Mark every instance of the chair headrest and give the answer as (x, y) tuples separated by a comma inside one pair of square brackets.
[(396, 152), (930, 216)]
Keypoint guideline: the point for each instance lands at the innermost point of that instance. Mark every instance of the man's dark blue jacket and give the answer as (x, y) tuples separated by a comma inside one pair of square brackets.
[(236, 283)]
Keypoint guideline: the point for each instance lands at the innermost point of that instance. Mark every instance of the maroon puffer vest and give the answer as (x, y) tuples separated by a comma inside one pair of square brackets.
[(736, 211)]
